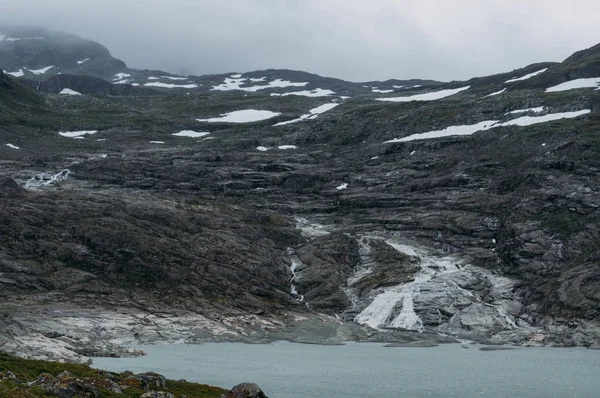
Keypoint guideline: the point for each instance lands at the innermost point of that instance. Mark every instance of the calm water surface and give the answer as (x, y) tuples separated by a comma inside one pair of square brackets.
[(287, 370)]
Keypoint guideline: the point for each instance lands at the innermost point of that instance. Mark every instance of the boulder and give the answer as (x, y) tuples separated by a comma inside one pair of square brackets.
[(245, 390)]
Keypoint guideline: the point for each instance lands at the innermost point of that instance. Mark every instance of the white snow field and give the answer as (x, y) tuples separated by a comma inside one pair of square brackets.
[(236, 81), (77, 134), (68, 91), (190, 133), (426, 96), (490, 124), (529, 76), (575, 84), (245, 116), (312, 114), (169, 85), (317, 92)]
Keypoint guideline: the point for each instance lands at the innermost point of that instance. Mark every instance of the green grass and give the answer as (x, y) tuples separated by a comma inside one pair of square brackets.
[(28, 370)]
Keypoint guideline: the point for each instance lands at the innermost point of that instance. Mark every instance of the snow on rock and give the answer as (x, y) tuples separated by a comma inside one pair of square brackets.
[(312, 114), (12, 146), (426, 96), (535, 110), (236, 76), (169, 85), (121, 76), (157, 142), (68, 91), (342, 187), (245, 116), (496, 93), (529, 76), (174, 78), (126, 81), (235, 83), (18, 73), (83, 61), (529, 120), (262, 148), (40, 71), (190, 133), (257, 79), (452, 130), (575, 84), (490, 124), (284, 147), (377, 90), (318, 92), (46, 179), (77, 134)]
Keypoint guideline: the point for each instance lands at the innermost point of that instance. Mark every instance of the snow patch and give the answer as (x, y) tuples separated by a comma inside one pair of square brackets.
[(529, 76), (18, 73), (496, 93), (318, 92), (244, 116), (284, 147), (490, 124), (157, 142), (174, 78), (77, 134), (68, 91), (310, 229), (312, 114), (426, 96), (262, 148), (169, 85), (575, 84), (121, 76), (12, 146), (535, 110), (83, 61), (342, 187), (190, 133), (40, 71), (376, 90), (235, 83)]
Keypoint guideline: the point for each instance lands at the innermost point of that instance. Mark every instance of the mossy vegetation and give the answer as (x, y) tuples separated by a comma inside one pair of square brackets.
[(27, 371)]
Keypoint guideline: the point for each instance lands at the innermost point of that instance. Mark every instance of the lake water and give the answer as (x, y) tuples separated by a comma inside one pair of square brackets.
[(287, 370)]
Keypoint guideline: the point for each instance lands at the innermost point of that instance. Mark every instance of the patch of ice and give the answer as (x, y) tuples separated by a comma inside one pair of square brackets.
[(312, 114), (262, 148), (190, 133), (245, 116), (121, 76), (535, 110), (376, 90), (174, 78), (426, 96), (284, 147), (18, 73), (83, 61), (12, 146), (169, 85), (495, 93), (575, 84), (318, 92), (157, 142), (342, 187), (40, 71), (77, 134), (529, 76), (68, 91)]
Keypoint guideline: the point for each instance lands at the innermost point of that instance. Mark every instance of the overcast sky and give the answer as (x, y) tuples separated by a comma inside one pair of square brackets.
[(356, 40)]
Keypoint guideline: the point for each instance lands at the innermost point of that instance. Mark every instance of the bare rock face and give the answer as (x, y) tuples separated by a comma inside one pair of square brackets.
[(245, 390)]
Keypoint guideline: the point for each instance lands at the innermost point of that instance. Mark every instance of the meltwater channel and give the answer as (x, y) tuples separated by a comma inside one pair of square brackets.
[(288, 370)]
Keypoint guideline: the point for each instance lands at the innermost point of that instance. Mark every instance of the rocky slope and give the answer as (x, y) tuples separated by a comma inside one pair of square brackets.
[(467, 210)]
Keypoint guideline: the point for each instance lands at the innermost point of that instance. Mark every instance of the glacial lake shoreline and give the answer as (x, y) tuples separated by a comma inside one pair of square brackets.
[(362, 369)]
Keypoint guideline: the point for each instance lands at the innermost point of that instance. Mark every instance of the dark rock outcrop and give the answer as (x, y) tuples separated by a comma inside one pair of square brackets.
[(245, 390)]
